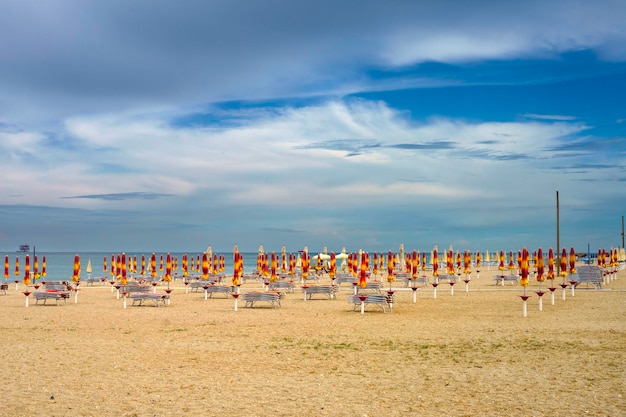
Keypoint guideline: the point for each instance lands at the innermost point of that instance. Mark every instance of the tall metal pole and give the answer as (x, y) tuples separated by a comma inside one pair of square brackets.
[(622, 232), (558, 237)]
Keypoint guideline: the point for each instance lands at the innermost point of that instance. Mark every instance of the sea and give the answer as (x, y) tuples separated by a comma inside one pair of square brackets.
[(60, 265)]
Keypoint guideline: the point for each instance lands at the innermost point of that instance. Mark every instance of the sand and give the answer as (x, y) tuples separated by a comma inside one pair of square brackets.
[(467, 354)]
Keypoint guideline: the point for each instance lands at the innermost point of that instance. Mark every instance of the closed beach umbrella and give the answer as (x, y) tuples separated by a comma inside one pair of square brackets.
[(205, 266), (43, 267), (478, 260), (435, 262), (17, 266), (168, 270), (273, 275), (104, 265), (563, 263), (363, 271), (143, 264), (89, 269), (414, 262), (390, 276), (572, 261), (35, 267), (511, 261), (467, 261), (76, 274), (283, 256), (27, 270), (153, 270), (550, 264), (524, 268), (123, 269), (501, 261), (305, 265), (540, 265), (6, 267), (333, 266)]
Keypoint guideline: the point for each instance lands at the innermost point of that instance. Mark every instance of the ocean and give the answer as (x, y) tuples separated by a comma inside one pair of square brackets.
[(60, 265)]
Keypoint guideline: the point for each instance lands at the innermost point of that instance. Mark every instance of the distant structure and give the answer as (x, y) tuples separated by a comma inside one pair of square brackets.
[(24, 248)]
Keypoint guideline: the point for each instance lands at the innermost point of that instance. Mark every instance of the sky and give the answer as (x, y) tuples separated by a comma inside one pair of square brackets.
[(170, 126)]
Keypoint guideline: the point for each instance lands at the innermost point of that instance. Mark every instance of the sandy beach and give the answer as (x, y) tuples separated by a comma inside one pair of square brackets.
[(466, 354)]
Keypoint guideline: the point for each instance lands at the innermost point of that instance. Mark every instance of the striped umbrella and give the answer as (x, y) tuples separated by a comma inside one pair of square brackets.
[(524, 269), (17, 266), (168, 270), (6, 267), (76, 274), (332, 273), (43, 267), (551, 264), (123, 263), (273, 275), (35, 268), (572, 261), (501, 262), (540, 266), (305, 265), (143, 264), (414, 262), (435, 262), (205, 266), (104, 265), (363, 271), (563, 263), (467, 261), (390, 276), (153, 267), (27, 270), (113, 267)]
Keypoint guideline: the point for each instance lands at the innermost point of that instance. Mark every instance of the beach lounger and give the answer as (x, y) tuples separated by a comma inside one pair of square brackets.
[(501, 279), (588, 274), (272, 297), (326, 290), (281, 285), (217, 289), (56, 292), (140, 293), (371, 286), (381, 300)]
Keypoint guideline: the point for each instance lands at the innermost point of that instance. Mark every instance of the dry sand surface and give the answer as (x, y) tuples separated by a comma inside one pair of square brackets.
[(467, 354)]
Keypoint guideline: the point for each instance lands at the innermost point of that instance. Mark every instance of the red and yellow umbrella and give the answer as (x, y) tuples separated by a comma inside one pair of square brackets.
[(168, 270), (414, 264), (563, 263), (27, 270), (467, 261), (205, 266), (153, 268), (143, 264), (511, 261), (104, 265), (540, 265), (501, 261), (305, 265), (435, 262), (524, 268), (76, 274), (332, 273), (237, 267), (43, 267), (17, 266), (363, 271), (35, 267), (551, 264), (390, 260), (6, 267), (572, 261), (123, 264), (478, 261), (216, 261), (113, 268), (273, 274)]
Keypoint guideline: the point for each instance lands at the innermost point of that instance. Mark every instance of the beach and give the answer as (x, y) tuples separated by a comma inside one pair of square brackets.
[(463, 354)]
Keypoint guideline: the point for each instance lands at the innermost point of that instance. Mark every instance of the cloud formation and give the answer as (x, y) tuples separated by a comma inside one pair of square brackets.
[(319, 123)]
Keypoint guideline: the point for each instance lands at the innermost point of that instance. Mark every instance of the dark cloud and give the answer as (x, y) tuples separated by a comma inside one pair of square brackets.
[(122, 196)]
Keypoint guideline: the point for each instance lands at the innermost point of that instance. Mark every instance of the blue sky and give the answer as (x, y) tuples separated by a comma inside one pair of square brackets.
[(170, 126)]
